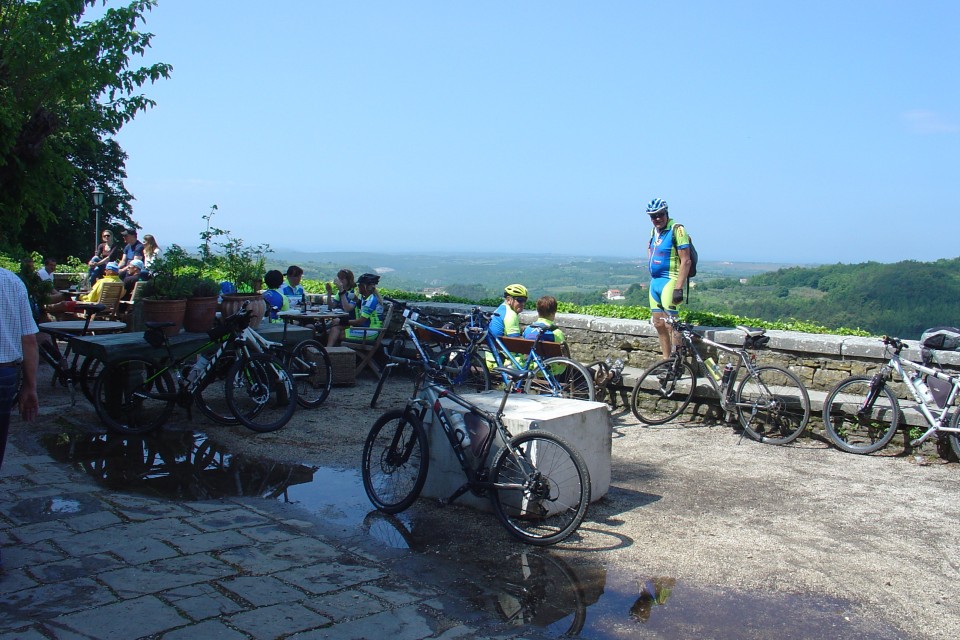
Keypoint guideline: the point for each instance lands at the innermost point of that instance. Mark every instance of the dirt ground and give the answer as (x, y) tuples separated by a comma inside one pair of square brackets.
[(697, 503)]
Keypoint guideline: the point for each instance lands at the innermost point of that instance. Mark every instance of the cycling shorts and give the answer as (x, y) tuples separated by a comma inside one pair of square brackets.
[(661, 295)]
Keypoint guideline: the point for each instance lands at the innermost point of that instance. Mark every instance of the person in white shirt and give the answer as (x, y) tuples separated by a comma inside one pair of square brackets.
[(46, 271)]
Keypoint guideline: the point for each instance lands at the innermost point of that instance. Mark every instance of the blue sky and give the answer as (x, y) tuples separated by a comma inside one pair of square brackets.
[(808, 132)]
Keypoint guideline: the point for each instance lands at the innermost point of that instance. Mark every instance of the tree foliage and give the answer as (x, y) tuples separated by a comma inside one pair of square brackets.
[(66, 87)]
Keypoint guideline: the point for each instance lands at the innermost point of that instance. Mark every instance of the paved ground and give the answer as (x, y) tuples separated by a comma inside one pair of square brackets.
[(701, 536)]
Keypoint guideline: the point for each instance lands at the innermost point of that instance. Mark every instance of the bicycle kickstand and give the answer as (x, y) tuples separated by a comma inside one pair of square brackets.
[(456, 494)]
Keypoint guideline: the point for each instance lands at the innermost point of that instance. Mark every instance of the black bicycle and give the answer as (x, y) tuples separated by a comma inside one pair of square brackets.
[(137, 395), (71, 370)]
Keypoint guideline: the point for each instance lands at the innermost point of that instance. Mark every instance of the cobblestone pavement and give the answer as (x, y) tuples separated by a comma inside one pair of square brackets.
[(82, 561)]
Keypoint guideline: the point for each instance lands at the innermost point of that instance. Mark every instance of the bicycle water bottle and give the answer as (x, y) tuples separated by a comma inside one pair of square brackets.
[(459, 427), (923, 389), (727, 372), (197, 369), (713, 369)]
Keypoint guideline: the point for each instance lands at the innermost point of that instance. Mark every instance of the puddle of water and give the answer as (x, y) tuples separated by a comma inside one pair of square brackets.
[(557, 594)]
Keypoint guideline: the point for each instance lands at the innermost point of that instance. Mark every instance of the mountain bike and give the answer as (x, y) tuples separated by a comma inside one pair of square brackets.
[(558, 376), (861, 414), (771, 403), (137, 395), (71, 372), (308, 364), (538, 484), (465, 372)]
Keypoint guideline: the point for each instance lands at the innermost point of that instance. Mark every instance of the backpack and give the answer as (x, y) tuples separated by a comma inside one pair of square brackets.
[(941, 339), (693, 252)]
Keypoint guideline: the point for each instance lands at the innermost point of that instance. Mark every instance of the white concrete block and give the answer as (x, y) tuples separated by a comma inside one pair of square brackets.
[(584, 425)]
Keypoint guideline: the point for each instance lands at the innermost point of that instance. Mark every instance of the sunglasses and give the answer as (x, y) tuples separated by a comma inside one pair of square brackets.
[(521, 300), (658, 215), (107, 235)]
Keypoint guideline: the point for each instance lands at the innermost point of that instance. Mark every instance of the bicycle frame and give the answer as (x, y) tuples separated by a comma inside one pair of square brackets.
[(498, 349), (725, 388), (937, 418)]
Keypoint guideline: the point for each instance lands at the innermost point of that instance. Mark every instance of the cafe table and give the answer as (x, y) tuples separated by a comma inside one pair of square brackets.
[(77, 326)]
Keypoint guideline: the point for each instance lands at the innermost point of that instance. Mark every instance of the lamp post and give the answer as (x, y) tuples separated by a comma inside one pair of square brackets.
[(97, 203)]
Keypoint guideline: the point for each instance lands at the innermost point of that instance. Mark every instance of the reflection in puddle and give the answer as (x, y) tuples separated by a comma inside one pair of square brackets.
[(550, 592), (179, 465)]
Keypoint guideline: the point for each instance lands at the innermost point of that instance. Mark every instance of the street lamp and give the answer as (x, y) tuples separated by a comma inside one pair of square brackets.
[(97, 203)]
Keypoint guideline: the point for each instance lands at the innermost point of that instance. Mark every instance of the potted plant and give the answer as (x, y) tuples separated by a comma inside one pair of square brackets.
[(201, 309), (165, 299), (244, 268)]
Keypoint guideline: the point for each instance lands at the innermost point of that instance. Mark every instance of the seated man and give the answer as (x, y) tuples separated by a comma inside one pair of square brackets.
[(135, 274), (506, 319), (367, 314), (111, 274), (293, 290), (547, 313), (276, 301)]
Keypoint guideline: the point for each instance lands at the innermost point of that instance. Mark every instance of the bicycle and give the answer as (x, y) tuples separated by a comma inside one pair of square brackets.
[(464, 373), (861, 414), (538, 484), (558, 376), (308, 364), (80, 370), (137, 395), (771, 403)]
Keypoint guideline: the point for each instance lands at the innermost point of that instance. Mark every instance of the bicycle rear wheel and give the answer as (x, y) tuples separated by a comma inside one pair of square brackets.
[(542, 488), (464, 371), (663, 391), (134, 396), (261, 393), (396, 456), (773, 405), (861, 416), (309, 364), (88, 373), (575, 380), (952, 437)]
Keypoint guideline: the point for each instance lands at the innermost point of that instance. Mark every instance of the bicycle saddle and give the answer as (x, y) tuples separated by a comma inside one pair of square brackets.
[(752, 333)]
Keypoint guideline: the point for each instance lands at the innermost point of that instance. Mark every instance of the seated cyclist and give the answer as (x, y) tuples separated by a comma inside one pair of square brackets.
[(366, 315), (546, 314), (506, 319), (668, 256), (276, 301)]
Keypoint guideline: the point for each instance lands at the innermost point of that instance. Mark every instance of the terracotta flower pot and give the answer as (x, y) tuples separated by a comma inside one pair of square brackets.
[(165, 311), (232, 302), (201, 314)]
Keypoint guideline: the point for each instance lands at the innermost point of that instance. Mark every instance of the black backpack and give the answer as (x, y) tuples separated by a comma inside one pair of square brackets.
[(693, 252), (941, 339)]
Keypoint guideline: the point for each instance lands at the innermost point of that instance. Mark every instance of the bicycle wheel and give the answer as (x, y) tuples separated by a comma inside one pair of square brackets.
[(211, 394), (261, 393), (312, 372), (396, 348), (773, 405), (396, 456), (575, 380), (134, 396), (460, 376), (953, 437), (87, 375), (663, 391), (859, 416), (541, 488)]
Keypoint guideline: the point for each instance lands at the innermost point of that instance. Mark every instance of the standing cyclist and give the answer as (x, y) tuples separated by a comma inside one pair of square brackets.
[(668, 256)]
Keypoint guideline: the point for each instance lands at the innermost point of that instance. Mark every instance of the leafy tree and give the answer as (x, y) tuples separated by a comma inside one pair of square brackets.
[(66, 87)]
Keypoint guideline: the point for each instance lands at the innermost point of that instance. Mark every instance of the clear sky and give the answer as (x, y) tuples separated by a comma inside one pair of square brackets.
[(808, 132)]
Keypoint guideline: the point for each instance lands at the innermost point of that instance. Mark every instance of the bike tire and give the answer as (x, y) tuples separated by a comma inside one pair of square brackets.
[(310, 366), (87, 374), (549, 492), (122, 396), (773, 405), (856, 433), (461, 378), (660, 395), (575, 380), (211, 393), (953, 437), (396, 457), (261, 392)]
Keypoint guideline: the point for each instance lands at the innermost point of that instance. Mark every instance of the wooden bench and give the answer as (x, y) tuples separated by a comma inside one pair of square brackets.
[(108, 348), (544, 349)]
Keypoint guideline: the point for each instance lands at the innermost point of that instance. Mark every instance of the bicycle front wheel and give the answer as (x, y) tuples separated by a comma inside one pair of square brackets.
[(663, 391), (861, 416), (396, 456), (311, 370), (211, 394), (773, 405), (464, 371), (261, 393), (541, 488), (134, 396), (564, 378)]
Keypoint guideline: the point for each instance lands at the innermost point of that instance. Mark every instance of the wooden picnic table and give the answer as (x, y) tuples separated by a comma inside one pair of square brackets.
[(78, 326), (117, 346)]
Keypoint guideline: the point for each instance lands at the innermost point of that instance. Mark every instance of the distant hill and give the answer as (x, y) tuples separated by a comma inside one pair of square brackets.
[(900, 299)]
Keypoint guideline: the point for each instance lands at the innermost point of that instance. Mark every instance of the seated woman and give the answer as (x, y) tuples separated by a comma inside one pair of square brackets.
[(366, 315), (346, 297), (276, 301)]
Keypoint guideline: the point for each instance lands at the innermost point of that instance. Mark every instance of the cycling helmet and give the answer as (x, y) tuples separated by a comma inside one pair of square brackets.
[(657, 204), (368, 278), (515, 290)]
